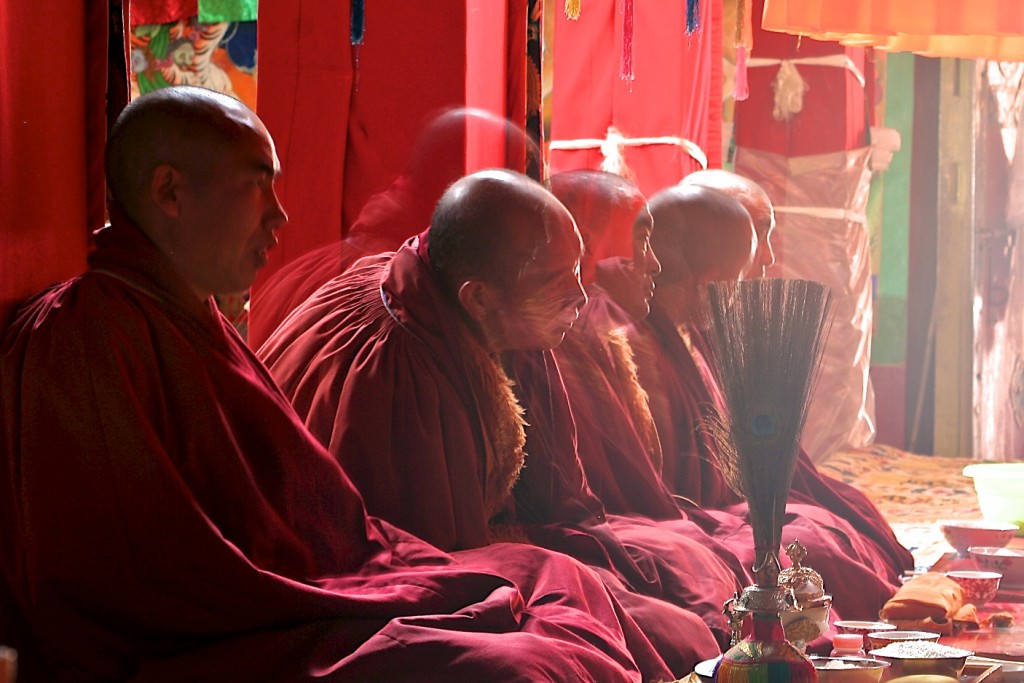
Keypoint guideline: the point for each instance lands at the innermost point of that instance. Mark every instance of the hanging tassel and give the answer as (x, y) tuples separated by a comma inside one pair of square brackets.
[(572, 9), (744, 38), (692, 16), (357, 24), (626, 63), (741, 90)]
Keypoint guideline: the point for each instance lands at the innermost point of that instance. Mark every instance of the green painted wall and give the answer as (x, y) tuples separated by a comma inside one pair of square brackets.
[(889, 212)]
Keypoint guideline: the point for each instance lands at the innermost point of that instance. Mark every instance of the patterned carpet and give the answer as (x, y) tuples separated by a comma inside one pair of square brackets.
[(912, 491)]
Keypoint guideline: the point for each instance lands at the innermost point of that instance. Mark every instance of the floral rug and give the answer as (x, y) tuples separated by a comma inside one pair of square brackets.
[(912, 491)]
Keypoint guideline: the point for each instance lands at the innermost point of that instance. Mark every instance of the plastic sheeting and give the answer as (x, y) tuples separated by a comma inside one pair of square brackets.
[(821, 234)]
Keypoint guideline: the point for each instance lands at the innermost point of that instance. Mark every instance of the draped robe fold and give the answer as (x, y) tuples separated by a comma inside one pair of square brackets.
[(677, 375), (386, 374), (166, 516)]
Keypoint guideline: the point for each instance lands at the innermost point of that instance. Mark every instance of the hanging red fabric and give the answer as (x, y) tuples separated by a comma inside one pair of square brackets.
[(142, 12), (626, 72)]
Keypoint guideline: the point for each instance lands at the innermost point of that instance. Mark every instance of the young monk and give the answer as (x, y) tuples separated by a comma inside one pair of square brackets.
[(165, 514), (397, 367), (703, 235), (809, 485)]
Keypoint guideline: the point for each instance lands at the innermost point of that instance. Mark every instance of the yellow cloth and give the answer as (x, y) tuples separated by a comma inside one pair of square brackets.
[(930, 602)]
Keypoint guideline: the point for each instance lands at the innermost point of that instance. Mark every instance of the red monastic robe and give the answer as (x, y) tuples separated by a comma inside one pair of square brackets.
[(426, 422), (599, 380), (167, 517), (683, 391)]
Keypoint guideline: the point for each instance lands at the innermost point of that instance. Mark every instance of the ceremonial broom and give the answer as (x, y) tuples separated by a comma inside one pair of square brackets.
[(765, 339)]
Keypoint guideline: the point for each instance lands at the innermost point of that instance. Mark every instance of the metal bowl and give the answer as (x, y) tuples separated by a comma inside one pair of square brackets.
[(910, 658), (849, 669)]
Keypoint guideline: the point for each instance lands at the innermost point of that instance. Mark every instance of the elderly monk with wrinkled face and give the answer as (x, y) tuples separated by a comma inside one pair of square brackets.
[(400, 366), (165, 514), (703, 235), (808, 483)]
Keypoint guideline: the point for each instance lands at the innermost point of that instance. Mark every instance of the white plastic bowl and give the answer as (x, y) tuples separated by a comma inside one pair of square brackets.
[(999, 486)]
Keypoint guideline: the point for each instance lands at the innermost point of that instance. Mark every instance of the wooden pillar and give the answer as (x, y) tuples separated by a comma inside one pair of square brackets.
[(954, 286)]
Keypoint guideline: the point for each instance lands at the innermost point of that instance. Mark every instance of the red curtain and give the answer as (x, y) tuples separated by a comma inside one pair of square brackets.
[(834, 116), (53, 57), (345, 118), (676, 90)]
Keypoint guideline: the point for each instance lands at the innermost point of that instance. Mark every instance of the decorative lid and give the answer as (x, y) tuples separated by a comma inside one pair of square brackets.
[(806, 584)]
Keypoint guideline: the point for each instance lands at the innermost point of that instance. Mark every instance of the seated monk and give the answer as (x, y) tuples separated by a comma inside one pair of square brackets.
[(702, 235), (596, 362), (396, 367), (809, 485), (165, 514), (403, 209)]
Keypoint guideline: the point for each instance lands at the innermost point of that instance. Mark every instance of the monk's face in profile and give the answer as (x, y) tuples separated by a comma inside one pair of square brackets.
[(230, 212), (630, 282), (542, 302)]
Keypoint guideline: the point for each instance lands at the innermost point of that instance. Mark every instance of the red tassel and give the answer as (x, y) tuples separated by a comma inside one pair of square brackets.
[(741, 90), (626, 64)]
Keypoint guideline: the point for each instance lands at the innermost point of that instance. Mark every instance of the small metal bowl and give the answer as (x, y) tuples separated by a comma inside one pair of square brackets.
[(849, 669)]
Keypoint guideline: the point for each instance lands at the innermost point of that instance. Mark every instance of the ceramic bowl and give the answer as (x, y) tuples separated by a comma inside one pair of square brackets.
[(882, 638), (862, 628), (962, 533), (912, 658), (979, 586), (1007, 561), (849, 669)]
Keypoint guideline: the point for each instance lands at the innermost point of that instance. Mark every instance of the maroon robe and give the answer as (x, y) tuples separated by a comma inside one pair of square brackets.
[(683, 390), (388, 219), (166, 516), (613, 453), (386, 374)]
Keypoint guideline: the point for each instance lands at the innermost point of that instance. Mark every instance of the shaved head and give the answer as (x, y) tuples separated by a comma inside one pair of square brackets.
[(753, 198), (507, 252), (592, 198), (702, 234), (181, 126), (195, 171), (490, 224), (605, 207)]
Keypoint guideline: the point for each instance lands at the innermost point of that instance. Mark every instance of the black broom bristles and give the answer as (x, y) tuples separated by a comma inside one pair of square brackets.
[(766, 338)]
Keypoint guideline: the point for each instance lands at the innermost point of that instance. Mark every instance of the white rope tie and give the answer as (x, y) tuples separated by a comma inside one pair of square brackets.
[(614, 143), (789, 86), (824, 212)]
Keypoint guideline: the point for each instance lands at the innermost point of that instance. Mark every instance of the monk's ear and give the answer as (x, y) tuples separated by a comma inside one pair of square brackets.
[(165, 189), (478, 299)]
